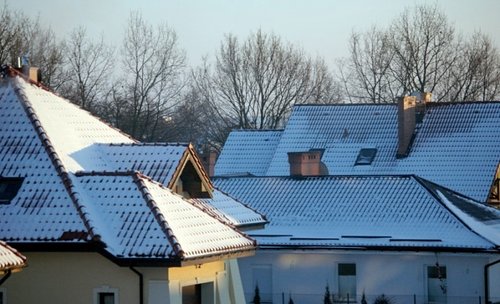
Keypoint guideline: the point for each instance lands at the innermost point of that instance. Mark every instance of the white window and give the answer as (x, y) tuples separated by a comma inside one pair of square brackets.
[(347, 281), (436, 284), (106, 295)]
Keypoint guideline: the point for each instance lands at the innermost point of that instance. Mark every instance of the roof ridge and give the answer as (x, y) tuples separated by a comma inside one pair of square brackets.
[(13, 72), (312, 177), (148, 144), (244, 204), (438, 195), (56, 162), (143, 188)]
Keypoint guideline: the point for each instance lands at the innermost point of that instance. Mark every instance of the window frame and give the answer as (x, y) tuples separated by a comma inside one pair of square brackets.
[(445, 279), (339, 275), (366, 160), (105, 289)]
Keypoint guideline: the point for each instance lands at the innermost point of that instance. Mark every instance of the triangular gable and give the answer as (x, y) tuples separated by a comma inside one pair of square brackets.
[(190, 167)]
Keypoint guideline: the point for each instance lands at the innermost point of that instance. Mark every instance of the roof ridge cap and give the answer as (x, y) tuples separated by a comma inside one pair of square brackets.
[(153, 206), (39, 85), (56, 161)]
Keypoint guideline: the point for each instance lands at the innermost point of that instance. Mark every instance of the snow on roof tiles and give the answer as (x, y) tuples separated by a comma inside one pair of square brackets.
[(72, 130), (230, 209), (42, 209), (456, 145), (10, 259), (46, 142), (351, 211), (198, 233), (158, 161), (248, 150)]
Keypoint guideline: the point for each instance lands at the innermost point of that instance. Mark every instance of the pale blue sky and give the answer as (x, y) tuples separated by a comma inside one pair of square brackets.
[(320, 27)]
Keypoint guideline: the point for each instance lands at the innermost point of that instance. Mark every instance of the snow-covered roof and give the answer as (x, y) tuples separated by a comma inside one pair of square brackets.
[(233, 211), (137, 217), (82, 180), (392, 212), (10, 258), (160, 161), (456, 145), (250, 151)]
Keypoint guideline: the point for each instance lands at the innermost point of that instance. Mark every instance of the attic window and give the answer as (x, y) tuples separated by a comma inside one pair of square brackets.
[(9, 186), (366, 156)]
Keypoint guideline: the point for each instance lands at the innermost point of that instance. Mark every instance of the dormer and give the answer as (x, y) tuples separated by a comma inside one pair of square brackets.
[(190, 178)]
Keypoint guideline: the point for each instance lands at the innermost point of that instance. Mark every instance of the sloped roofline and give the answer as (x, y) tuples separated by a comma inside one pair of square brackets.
[(12, 72), (12, 260), (57, 163), (432, 187), (191, 155)]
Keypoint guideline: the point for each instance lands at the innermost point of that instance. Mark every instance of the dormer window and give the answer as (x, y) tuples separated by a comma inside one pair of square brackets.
[(9, 186), (365, 156)]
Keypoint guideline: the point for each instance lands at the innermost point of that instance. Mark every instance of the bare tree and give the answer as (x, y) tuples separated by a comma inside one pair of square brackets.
[(153, 66), (256, 82), (371, 56), (323, 88), (425, 48), (9, 33), (89, 70)]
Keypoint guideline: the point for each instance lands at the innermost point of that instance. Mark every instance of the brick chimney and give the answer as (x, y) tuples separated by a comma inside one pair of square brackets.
[(208, 159), (32, 73), (406, 124), (306, 163)]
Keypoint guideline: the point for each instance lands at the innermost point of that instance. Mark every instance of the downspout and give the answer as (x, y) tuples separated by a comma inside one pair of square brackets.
[(486, 281), (141, 285), (5, 277)]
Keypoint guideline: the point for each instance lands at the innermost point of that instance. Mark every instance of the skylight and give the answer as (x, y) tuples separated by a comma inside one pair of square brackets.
[(9, 186), (366, 156)]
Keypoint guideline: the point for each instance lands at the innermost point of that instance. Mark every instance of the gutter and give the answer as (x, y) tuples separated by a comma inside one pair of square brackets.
[(141, 285), (486, 280)]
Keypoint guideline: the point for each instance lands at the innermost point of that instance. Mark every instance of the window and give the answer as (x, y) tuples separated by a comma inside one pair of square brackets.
[(9, 186), (366, 156), (347, 282), (105, 295), (436, 284)]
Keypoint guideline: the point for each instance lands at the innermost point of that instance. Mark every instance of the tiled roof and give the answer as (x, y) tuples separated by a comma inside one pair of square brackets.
[(354, 211), (232, 210), (74, 188), (158, 161), (456, 145), (250, 151), (42, 210), (10, 259), (139, 218)]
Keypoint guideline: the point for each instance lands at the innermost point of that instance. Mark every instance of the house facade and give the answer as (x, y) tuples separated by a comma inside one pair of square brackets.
[(370, 200), (103, 218)]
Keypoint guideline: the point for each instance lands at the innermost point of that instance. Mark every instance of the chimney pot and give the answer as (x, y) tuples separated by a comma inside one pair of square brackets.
[(305, 163)]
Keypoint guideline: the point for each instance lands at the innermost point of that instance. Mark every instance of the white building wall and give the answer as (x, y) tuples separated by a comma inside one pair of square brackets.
[(304, 275)]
